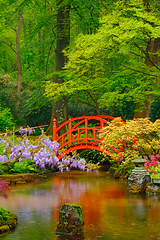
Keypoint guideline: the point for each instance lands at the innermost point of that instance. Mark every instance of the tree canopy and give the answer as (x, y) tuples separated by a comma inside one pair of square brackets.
[(100, 54), (118, 63)]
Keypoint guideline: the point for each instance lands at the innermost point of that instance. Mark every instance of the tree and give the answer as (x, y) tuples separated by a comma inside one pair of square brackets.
[(137, 138), (6, 38), (64, 9), (115, 64)]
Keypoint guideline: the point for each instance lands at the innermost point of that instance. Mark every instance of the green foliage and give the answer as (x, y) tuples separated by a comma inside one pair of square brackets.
[(6, 119), (91, 156), (121, 170), (24, 167), (108, 68), (77, 109), (108, 50), (155, 110)]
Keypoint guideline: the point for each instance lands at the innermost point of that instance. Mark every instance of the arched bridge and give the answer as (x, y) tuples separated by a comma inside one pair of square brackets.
[(80, 133)]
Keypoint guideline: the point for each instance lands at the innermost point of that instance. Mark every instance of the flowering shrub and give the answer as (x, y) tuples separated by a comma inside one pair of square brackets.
[(137, 138), (153, 166), (42, 152)]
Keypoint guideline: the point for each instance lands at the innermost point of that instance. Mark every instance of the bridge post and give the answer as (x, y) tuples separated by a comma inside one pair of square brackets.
[(86, 130), (54, 129), (70, 132), (101, 124)]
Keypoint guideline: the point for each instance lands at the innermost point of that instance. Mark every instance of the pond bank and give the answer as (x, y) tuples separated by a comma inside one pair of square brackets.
[(13, 179)]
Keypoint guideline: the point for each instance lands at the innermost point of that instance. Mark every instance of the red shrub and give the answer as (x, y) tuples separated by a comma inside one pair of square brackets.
[(3, 188)]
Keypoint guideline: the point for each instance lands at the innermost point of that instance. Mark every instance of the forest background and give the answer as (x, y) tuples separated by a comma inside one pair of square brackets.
[(68, 58)]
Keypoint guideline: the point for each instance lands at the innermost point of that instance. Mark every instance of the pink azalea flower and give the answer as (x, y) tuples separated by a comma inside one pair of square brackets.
[(153, 157)]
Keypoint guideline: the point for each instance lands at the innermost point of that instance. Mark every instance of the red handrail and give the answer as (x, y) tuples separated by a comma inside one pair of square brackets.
[(78, 136)]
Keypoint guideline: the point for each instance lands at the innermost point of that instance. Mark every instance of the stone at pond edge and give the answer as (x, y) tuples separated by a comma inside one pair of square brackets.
[(137, 183), (152, 189), (70, 220)]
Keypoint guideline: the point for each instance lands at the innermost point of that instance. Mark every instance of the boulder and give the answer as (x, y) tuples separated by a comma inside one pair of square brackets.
[(137, 183), (70, 220)]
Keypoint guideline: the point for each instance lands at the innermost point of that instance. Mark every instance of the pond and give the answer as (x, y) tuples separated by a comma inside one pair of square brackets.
[(109, 211)]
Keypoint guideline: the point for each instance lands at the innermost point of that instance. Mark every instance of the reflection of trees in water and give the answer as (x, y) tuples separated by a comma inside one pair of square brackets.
[(69, 190), (138, 206), (105, 202), (93, 195), (145, 207)]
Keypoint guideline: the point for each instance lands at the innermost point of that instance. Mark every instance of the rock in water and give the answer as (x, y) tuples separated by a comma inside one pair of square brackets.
[(70, 220)]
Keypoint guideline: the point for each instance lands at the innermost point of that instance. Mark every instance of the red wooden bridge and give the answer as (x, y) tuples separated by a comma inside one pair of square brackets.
[(80, 133)]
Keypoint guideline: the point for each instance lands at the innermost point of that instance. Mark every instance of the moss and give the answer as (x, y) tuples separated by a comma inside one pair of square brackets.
[(71, 229), (134, 190), (8, 220), (4, 228), (70, 219), (22, 178)]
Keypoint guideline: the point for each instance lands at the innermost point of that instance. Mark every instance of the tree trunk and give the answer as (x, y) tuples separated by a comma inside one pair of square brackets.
[(19, 65), (152, 48), (63, 36)]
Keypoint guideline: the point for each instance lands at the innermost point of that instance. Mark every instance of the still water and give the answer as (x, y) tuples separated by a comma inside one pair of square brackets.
[(109, 211)]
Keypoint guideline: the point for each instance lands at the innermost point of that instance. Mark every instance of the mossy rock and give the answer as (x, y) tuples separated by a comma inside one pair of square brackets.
[(70, 219), (152, 189), (135, 190), (8, 220)]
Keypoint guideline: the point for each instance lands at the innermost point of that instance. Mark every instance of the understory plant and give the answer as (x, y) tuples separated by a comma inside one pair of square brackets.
[(41, 153), (133, 139), (6, 119)]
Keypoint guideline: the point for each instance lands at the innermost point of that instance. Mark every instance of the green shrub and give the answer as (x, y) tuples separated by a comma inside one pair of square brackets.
[(6, 119), (120, 170)]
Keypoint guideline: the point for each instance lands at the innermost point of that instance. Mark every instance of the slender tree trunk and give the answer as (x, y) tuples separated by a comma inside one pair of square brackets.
[(19, 65), (59, 110)]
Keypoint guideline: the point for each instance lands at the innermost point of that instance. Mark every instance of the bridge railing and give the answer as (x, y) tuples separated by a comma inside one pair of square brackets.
[(80, 132)]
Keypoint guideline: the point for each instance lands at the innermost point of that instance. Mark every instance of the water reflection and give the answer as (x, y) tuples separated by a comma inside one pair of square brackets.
[(109, 212)]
